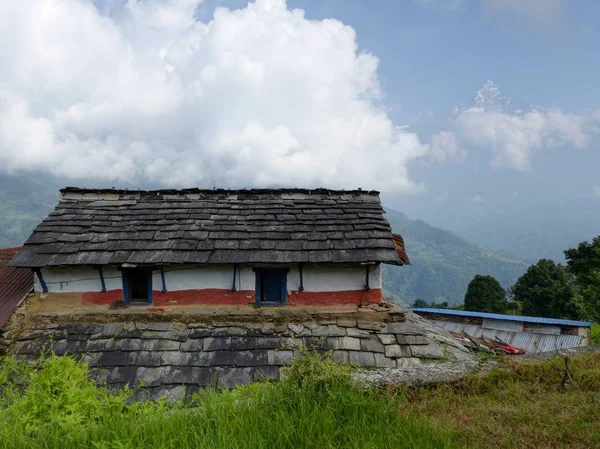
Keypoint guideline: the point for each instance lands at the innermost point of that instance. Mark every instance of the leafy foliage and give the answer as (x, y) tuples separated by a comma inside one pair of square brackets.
[(442, 264), (595, 335), (584, 263), (421, 303), (59, 395), (547, 290), (314, 407), (512, 306), (485, 294), (316, 372), (522, 404)]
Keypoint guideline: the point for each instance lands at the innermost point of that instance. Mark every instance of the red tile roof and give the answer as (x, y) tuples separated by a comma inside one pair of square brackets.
[(15, 284)]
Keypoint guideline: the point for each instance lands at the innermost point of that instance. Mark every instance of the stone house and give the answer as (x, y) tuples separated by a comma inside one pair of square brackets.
[(214, 247), (175, 290)]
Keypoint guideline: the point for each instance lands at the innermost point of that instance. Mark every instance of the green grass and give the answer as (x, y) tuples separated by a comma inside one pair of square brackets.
[(522, 404), (595, 340), (315, 407)]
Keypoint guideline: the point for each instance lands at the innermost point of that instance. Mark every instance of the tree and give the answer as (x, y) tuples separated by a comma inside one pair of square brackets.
[(584, 263), (440, 305), (421, 303), (485, 294), (546, 290), (513, 307)]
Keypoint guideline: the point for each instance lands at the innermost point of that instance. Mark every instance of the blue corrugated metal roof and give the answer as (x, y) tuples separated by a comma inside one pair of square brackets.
[(498, 316)]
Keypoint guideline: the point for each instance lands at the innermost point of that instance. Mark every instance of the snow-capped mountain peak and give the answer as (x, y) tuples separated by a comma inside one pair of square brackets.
[(487, 94), (490, 98)]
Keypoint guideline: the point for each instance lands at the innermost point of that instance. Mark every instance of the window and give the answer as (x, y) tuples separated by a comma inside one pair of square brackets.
[(271, 286), (137, 285)]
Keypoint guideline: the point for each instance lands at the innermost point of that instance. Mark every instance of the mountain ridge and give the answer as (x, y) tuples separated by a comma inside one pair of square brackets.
[(442, 263)]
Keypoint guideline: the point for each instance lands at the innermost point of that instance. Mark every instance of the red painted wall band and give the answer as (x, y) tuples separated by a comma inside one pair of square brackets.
[(373, 296), (99, 298), (216, 296)]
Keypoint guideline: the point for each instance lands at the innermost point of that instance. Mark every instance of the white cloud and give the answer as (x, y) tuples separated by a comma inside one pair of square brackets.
[(445, 147), (170, 14), (514, 137), (596, 191), (256, 97), (477, 199)]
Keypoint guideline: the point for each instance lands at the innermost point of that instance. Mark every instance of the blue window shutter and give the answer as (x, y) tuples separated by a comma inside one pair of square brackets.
[(125, 279), (272, 275), (283, 275), (149, 274)]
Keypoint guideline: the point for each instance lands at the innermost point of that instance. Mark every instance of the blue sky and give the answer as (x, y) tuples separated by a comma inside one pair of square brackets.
[(433, 57), (352, 93)]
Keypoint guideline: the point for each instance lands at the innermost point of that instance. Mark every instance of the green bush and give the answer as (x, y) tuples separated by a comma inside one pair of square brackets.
[(595, 335), (59, 395), (316, 406), (316, 372)]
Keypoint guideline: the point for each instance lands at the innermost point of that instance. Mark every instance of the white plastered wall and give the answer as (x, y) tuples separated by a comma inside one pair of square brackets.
[(317, 278), (78, 279)]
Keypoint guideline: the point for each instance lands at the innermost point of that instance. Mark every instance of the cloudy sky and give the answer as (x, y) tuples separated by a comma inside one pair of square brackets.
[(333, 93)]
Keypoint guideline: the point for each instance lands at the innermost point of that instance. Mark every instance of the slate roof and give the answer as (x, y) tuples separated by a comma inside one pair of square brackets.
[(196, 226), (15, 284)]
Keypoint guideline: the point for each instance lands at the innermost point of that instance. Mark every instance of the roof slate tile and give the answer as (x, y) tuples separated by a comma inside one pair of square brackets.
[(98, 227)]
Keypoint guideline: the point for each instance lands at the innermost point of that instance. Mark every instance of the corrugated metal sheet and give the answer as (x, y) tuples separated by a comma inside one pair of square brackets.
[(503, 325), (497, 316), (524, 340), (15, 284)]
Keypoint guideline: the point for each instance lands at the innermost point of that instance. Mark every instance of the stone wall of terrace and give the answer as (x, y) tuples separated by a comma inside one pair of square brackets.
[(176, 357)]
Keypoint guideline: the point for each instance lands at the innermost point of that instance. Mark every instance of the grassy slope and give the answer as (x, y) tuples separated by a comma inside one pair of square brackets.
[(443, 264), (61, 409), (522, 405)]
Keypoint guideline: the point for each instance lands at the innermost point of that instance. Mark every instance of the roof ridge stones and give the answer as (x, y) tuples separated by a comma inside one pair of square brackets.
[(159, 193), (199, 226)]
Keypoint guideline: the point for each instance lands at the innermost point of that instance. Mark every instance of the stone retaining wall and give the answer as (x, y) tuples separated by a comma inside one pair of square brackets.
[(172, 358)]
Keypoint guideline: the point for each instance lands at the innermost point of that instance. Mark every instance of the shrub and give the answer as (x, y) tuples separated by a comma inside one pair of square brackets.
[(316, 372), (59, 394), (595, 337), (316, 406)]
